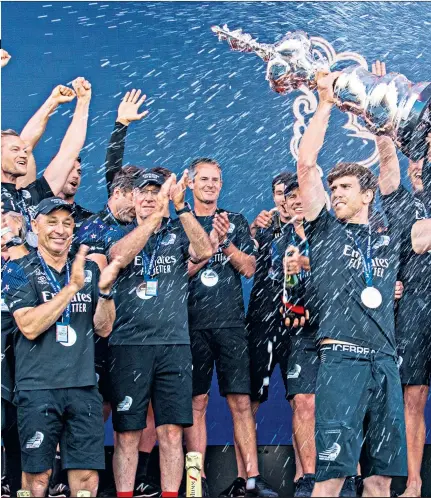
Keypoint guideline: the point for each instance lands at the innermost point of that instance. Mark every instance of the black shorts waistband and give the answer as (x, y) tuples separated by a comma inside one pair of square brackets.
[(347, 348)]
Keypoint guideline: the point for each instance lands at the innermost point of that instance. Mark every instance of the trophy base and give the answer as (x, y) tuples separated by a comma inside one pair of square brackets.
[(413, 131)]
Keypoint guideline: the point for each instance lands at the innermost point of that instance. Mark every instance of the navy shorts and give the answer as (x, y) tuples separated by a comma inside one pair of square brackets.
[(356, 387)]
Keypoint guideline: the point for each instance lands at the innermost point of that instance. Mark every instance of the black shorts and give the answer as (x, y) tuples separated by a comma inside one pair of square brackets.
[(413, 332), (355, 388), (303, 366), (70, 417), (228, 348), (162, 374), (268, 347), (101, 361)]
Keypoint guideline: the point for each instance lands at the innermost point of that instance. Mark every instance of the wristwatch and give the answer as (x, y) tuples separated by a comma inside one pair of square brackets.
[(13, 242), (226, 243), (109, 296), (186, 209)]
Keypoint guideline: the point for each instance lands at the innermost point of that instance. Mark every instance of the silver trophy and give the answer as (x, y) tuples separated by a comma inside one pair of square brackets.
[(389, 105)]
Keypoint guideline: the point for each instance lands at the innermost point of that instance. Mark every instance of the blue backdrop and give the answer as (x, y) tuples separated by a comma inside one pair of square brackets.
[(203, 99)]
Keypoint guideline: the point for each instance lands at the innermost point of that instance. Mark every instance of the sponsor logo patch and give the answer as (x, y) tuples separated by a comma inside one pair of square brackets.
[(35, 441), (124, 406), (331, 453)]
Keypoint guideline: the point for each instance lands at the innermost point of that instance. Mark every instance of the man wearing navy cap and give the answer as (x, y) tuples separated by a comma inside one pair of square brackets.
[(58, 305)]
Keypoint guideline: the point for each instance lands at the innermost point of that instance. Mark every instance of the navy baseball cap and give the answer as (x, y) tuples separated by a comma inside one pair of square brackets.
[(149, 178), (51, 204)]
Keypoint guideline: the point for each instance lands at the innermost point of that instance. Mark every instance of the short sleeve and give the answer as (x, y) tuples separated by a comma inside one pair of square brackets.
[(399, 208), (111, 237), (17, 289), (242, 236), (95, 277), (39, 190), (93, 233), (314, 229)]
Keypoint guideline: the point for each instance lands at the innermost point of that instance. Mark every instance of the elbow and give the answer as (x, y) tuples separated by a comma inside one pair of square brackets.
[(418, 248), (29, 332), (305, 163), (206, 253), (104, 330)]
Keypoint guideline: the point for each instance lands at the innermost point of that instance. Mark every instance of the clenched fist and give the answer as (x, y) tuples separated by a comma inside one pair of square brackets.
[(62, 94), (5, 57), (82, 89)]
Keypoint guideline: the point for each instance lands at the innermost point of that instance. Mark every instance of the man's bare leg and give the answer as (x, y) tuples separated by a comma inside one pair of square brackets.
[(171, 456), (244, 426), (303, 427), (125, 460), (377, 486), (298, 466), (37, 484), (196, 435), (87, 480), (329, 488)]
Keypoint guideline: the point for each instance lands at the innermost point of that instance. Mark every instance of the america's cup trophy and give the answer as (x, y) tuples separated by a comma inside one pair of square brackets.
[(389, 105)]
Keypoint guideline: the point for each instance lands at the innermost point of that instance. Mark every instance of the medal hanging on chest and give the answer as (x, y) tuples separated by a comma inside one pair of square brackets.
[(371, 297), (209, 278)]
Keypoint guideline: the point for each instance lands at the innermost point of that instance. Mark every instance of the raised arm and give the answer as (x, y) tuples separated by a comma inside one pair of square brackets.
[(389, 176), (36, 126), (128, 111), (309, 179), (200, 246), (421, 236), (59, 168)]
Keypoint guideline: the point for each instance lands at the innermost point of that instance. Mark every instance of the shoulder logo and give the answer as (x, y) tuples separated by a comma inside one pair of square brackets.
[(169, 239), (88, 276), (294, 372), (331, 453), (231, 227), (41, 280), (124, 406), (35, 441)]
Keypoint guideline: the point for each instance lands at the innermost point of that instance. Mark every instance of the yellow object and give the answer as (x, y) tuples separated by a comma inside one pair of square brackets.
[(83, 493), (24, 493), (193, 469)]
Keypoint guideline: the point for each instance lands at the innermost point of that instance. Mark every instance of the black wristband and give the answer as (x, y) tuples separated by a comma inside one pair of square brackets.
[(186, 209), (107, 297)]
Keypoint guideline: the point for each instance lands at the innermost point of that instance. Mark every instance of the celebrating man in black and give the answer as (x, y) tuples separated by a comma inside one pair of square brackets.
[(16, 153), (150, 346), (58, 305), (413, 322), (354, 272), (270, 341), (217, 322)]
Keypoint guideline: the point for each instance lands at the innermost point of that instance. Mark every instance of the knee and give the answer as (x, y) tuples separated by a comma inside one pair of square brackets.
[(170, 435), (89, 480), (239, 404), (200, 404), (377, 486), (303, 406), (415, 399), (38, 483), (128, 440)]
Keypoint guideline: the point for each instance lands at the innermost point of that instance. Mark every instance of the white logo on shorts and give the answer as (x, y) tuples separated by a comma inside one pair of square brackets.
[(35, 441), (330, 454), (294, 373), (125, 405)]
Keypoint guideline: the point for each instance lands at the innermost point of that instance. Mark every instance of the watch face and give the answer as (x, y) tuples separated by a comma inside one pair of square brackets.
[(14, 241)]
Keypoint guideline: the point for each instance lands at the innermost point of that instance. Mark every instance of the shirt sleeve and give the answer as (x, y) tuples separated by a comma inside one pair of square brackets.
[(115, 153), (426, 181), (242, 236), (314, 229), (399, 208), (39, 190), (93, 267), (111, 237), (17, 289), (93, 234)]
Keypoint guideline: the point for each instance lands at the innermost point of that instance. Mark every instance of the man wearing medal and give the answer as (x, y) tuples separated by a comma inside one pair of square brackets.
[(150, 345), (354, 272), (217, 323), (58, 305), (269, 340), (18, 167), (406, 212)]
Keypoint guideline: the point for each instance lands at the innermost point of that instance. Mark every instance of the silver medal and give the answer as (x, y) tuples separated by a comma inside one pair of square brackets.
[(371, 297), (209, 278), (141, 291)]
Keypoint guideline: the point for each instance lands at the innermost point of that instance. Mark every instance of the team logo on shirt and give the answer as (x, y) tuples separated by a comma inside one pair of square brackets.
[(231, 227), (35, 441), (79, 302), (355, 262), (41, 280), (163, 264), (88, 276), (383, 241), (124, 406), (169, 239), (331, 453), (26, 194), (6, 194)]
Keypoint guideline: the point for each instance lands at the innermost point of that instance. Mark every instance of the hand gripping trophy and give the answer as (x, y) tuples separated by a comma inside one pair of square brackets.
[(389, 105)]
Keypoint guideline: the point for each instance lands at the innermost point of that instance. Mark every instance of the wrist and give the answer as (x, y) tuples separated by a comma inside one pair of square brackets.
[(226, 243), (123, 121), (51, 105), (106, 293), (72, 288), (325, 105), (182, 208)]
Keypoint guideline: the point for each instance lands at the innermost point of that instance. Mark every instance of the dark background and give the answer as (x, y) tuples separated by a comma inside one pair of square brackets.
[(203, 99)]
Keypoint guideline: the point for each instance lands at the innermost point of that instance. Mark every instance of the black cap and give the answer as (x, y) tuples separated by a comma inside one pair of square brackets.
[(51, 204), (149, 178)]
